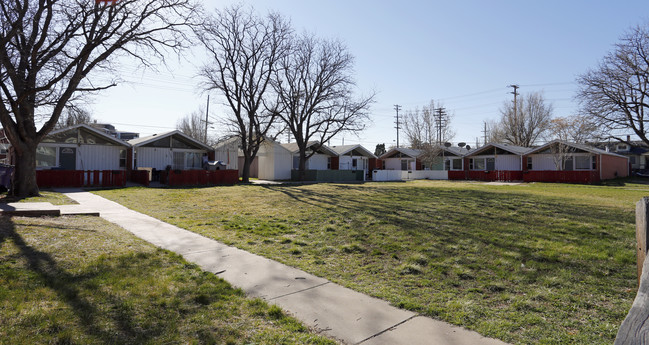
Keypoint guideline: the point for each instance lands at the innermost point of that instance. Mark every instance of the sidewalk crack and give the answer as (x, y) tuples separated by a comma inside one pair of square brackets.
[(295, 292), (387, 329)]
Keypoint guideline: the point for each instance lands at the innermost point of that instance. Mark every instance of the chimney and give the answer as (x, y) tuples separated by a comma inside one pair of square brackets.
[(628, 139)]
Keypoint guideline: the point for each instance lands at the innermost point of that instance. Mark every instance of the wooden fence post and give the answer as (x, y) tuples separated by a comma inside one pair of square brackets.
[(635, 328), (641, 232)]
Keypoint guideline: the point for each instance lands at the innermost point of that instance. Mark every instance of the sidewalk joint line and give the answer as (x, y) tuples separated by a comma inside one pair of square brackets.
[(387, 329), (295, 292)]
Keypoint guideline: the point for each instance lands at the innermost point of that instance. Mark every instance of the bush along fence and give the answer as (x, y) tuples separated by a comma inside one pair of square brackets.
[(80, 178), (198, 177), (635, 328)]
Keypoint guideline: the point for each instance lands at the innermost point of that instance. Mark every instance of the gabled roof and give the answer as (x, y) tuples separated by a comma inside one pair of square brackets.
[(342, 150), (517, 150), (413, 153), (94, 131), (458, 151), (147, 140), (582, 147), (293, 148), (229, 142)]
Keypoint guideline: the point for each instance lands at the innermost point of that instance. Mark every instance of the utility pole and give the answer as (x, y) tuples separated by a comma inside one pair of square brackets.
[(484, 131), (440, 115), (515, 93), (207, 114), (397, 108)]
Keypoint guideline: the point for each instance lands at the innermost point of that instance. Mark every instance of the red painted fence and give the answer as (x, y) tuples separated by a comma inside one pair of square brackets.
[(562, 176), (80, 178), (140, 176), (198, 177), (496, 175)]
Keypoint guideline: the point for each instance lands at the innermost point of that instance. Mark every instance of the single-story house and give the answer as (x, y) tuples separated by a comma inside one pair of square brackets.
[(636, 151), (324, 158), (353, 157), (227, 152), (494, 162), (81, 147), (559, 161), (171, 149), (401, 158), (274, 161)]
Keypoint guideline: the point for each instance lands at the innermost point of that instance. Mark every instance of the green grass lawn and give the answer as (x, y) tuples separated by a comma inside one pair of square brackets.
[(531, 263), (46, 196), (82, 280)]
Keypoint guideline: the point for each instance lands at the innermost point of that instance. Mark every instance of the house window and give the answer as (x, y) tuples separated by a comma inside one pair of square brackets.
[(328, 163), (354, 163), (594, 162), (45, 156), (457, 164), (622, 147), (632, 159), (491, 164), (404, 164), (582, 162), (383, 165), (122, 158), (447, 164), (567, 164), (529, 163), (477, 164), (193, 160), (179, 160)]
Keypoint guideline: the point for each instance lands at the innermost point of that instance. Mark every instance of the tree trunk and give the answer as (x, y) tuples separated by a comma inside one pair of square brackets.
[(24, 184), (245, 174), (302, 167)]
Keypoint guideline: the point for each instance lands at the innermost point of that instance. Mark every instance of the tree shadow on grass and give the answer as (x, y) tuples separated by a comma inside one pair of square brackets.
[(502, 222), (69, 288)]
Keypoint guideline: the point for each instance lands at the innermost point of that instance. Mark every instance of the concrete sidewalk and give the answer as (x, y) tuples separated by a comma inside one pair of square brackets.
[(335, 311)]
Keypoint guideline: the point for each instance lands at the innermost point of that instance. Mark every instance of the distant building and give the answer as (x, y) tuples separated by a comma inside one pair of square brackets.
[(110, 130)]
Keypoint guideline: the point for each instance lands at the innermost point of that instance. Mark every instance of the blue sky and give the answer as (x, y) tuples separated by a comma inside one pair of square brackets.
[(461, 53)]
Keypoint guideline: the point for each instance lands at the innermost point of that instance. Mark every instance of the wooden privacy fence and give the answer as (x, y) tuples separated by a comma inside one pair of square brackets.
[(198, 177), (635, 328), (140, 176), (80, 178)]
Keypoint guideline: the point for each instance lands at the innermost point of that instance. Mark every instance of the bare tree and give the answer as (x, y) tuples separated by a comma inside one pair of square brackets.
[(244, 51), (72, 116), (315, 94), (526, 122), (52, 50), (427, 129), (616, 93), (194, 126), (576, 128), (428, 126)]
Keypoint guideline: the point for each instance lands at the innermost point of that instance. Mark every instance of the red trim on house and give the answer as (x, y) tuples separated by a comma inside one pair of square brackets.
[(613, 166), (335, 163)]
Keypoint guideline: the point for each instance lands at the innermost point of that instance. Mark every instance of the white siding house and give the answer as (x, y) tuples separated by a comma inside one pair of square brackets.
[(275, 161), (353, 157), (321, 159), (174, 149), (81, 147), (227, 152)]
